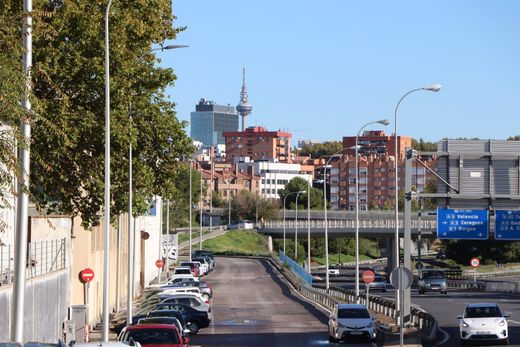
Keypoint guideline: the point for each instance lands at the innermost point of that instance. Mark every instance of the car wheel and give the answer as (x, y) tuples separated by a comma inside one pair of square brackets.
[(193, 327), (332, 339)]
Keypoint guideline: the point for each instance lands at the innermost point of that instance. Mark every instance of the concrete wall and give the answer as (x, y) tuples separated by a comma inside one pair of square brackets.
[(46, 307)]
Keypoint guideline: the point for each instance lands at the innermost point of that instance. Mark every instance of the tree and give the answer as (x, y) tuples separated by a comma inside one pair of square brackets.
[(423, 146), (217, 200), (317, 150), (299, 184), (246, 206), (67, 173), (179, 199), (514, 138)]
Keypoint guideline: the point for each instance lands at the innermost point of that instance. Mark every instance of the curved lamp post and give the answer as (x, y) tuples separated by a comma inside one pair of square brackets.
[(384, 122), (298, 192), (432, 88)]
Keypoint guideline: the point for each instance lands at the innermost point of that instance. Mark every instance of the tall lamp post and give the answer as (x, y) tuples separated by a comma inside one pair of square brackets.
[(284, 199), (131, 245), (432, 88), (309, 225), (384, 122), (296, 229)]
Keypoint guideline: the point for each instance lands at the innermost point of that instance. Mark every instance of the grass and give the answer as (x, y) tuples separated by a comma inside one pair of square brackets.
[(334, 258), (238, 242), (185, 235)]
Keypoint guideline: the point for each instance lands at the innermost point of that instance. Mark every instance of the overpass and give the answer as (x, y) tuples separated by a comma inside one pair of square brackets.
[(343, 223)]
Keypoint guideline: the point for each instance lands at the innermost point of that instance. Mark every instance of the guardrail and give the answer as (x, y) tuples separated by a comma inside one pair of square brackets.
[(43, 257), (350, 224), (297, 269), (425, 322)]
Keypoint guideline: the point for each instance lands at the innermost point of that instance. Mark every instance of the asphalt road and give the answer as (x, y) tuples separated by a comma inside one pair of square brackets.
[(253, 306), (445, 308)]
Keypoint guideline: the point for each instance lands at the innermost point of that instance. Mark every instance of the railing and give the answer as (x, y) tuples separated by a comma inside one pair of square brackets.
[(43, 257), (297, 269), (426, 225)]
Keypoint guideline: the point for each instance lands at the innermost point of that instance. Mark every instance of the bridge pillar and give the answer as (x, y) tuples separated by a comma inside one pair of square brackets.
[(270, 243), (388, 244)]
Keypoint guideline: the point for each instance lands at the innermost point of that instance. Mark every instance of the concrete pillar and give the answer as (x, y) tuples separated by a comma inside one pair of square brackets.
[(390, 251), (270, 243)]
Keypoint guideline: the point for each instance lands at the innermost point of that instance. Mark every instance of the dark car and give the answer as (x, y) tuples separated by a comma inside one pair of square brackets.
[(195, 320), (166, 335)]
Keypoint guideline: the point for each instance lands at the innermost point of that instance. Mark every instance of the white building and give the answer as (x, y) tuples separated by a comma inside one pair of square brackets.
[(274, 176)]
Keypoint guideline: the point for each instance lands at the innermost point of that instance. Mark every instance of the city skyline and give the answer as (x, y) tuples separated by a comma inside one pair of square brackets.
[(345, 64)]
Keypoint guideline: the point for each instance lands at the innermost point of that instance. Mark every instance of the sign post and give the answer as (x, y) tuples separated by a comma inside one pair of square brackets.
[(401, 278), (368, 277), (507, 224), (86, 275), (475, 263), (462, 224), (159, 263)]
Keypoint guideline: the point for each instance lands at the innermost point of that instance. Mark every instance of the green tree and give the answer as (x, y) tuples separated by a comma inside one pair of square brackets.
[(246, 206), (514, 138), (299, 184), (424, 146), (217, 200), (317, 150), (179, 198), (68, 168)]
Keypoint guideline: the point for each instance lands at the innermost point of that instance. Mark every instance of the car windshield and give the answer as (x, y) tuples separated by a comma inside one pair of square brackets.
[(482, 312), (433, 275), (353, 313), (182, 271), (153, 336)]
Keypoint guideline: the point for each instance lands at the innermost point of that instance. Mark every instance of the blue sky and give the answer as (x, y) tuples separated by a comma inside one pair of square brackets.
[(322, 69)]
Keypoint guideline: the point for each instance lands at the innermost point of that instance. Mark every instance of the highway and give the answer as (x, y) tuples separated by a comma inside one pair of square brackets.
[(445, 308), (253, 306)]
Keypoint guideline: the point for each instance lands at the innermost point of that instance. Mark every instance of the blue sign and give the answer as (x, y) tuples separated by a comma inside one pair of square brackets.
[(462, 224), (507, 225)]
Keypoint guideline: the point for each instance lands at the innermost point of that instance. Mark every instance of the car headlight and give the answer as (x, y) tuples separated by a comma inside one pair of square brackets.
[(502, 323), (464, 324)]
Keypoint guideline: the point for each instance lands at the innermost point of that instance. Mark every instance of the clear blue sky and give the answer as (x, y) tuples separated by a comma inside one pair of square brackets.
[(322, 69)]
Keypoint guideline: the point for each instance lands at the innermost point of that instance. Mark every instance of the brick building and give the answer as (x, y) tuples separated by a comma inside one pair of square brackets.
[(256, 143), (376, 142)]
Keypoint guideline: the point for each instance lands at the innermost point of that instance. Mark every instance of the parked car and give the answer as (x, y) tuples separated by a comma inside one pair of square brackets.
[(181, 272), (205, 289), (192, 301), (483, 322), (165, 320), (152, 335), (351, 320), (198, 253), (204, 264), (178, 290), (432, 280), (195, 267), (195, 320)]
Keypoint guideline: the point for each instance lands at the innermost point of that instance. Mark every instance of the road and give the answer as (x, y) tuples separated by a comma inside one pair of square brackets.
[(253, 306), (445, 308)]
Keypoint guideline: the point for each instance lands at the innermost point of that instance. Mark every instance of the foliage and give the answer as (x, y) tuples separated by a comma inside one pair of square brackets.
[(67, 173), (299, 184), (246, 206), (317, 150), (217, 200), (489, 252), (423, 146), (179, 198), (514, 138), (240, 242)]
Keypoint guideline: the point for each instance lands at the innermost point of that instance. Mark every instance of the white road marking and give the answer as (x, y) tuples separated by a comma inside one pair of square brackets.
[(446, 338)]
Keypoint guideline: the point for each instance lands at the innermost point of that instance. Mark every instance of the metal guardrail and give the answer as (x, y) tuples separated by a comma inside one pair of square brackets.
[(425, 322), (43, 257), (426, 225)]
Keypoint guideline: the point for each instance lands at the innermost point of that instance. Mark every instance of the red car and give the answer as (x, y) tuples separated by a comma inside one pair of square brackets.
[(154, 335)]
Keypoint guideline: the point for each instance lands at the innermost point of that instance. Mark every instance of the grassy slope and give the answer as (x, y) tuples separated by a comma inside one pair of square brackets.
[(241, 242)]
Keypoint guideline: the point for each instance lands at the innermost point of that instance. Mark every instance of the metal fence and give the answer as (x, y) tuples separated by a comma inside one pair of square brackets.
[(295, 268), (43, 257)]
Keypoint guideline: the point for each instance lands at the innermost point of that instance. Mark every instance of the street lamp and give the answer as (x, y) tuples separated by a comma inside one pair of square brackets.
[(433, 88), (296, 229), (384, 122), (131, 245), (309, 224), (191, 206), (298, 192)]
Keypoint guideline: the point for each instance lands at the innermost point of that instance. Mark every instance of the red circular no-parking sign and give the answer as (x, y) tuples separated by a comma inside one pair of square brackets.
[(474, 262), (87, 275), (368, 276), (159, 263)]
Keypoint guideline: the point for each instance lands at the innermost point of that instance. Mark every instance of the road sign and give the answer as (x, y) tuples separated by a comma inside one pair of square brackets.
[(462, 224), (87, 275), (368, 276), (401, 278), (507, 224), (474, 262), (159, 263)]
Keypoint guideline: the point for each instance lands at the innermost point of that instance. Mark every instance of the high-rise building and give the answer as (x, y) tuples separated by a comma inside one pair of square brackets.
[(257, 143), (210, 120), (376, 142)]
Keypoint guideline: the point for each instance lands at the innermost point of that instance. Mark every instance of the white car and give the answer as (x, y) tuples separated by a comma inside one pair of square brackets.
[(483, 322), (351, 320), (333, 272), (176, 290)]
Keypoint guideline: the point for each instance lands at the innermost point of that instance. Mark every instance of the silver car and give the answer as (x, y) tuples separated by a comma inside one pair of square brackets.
[(432, 280)]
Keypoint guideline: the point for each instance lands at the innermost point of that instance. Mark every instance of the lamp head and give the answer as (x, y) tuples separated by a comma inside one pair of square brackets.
[(303, 191), (383, 122), (173, 47), (434, 87)]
